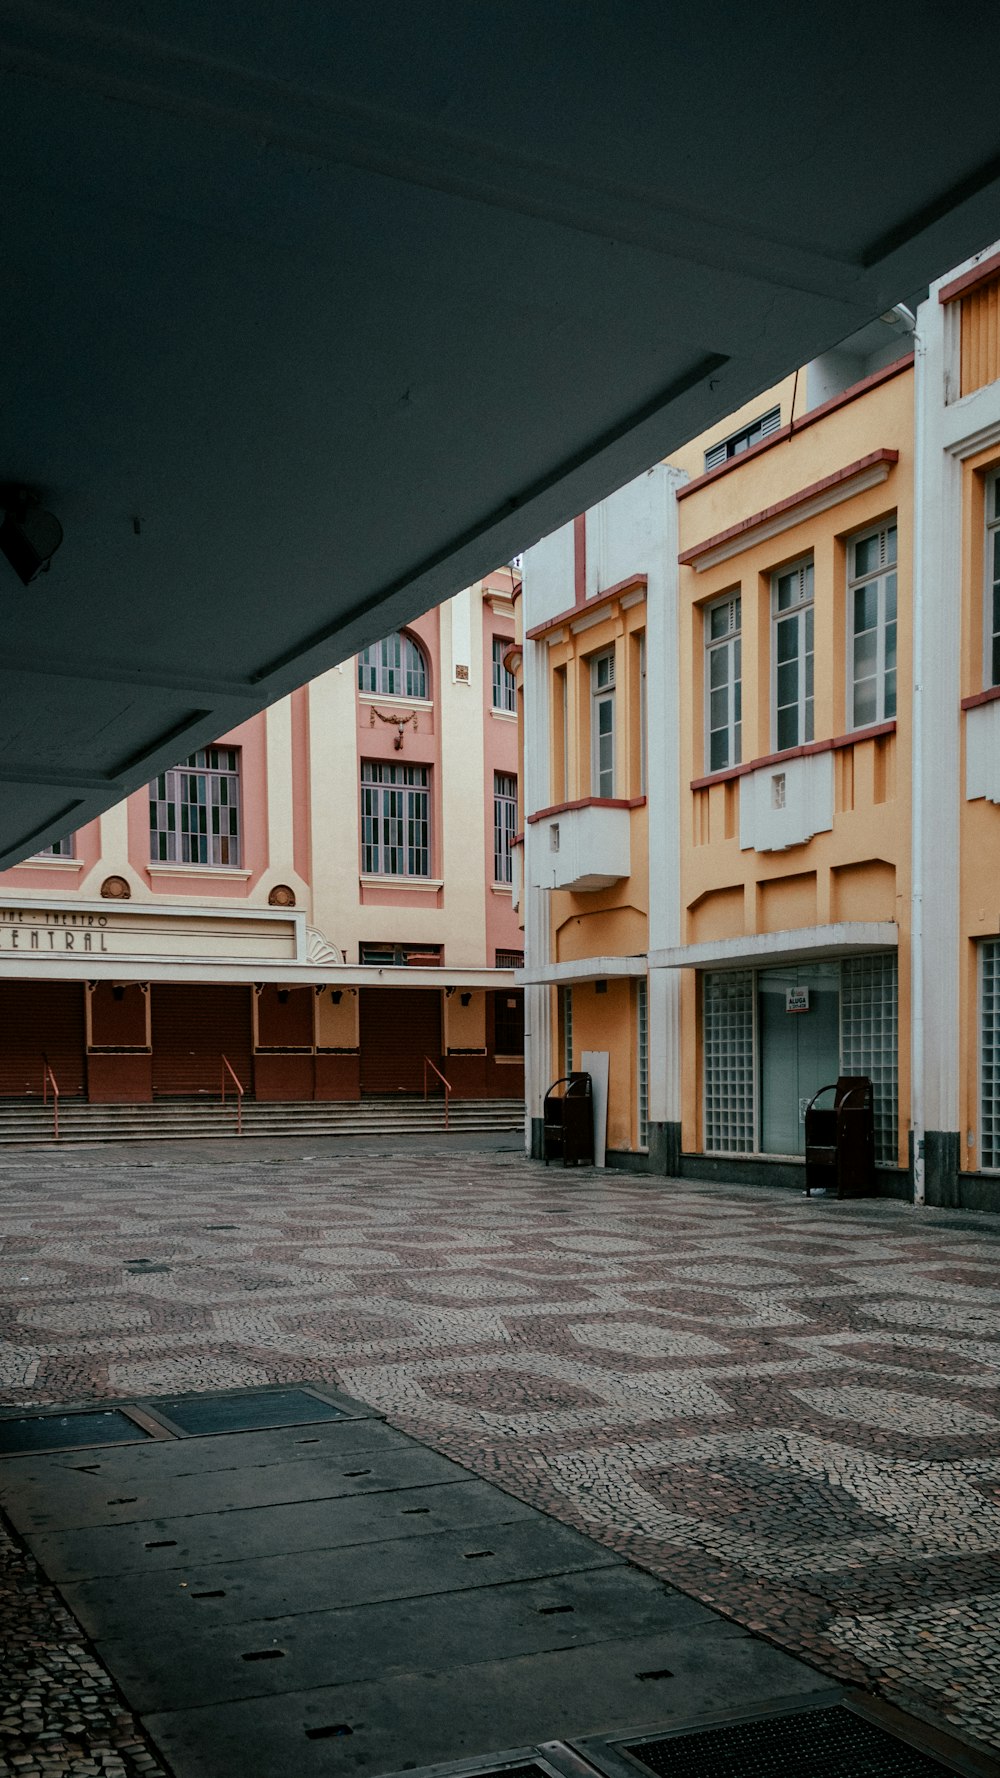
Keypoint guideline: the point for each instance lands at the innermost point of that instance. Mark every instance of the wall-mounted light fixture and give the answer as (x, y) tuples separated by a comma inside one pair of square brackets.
[(336, 995), (282, 996), (29, 536), (466, 999)]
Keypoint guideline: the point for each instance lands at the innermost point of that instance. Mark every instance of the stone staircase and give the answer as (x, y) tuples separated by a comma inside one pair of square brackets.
[(27, 1122)]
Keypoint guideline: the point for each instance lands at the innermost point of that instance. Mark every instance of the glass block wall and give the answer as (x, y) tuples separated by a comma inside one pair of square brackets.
[(869, 1026), (642, 1055), (729, 1061), (989, 1053)]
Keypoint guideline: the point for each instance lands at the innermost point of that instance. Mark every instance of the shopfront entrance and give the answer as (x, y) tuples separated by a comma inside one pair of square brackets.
[(798, 1027)]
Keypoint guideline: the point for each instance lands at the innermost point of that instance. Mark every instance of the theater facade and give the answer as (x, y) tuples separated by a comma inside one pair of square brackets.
[(321, 901)]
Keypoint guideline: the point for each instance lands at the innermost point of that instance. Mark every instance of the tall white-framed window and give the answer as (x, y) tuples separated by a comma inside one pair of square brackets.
[(871, 617), (395, 820), (991, 602), (504, 683), (642, 1062), (643, 715), (602, 724), (792, 655), (393, 668), (194, 811), (723, 683), (504, 825), (989, 1053)]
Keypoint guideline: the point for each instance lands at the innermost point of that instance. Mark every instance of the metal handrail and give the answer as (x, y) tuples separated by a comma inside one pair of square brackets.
[(226, 1064), (446, 1083), (49, 1080)]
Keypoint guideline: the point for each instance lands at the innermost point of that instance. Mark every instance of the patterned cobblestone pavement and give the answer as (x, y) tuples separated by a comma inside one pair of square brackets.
[(788, 1409)]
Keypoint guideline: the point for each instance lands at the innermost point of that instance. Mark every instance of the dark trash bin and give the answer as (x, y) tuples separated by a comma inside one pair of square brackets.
[(840, 1139), (568, 1120)]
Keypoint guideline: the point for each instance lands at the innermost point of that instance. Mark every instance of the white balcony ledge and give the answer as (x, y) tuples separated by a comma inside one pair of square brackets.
[(581, 846)]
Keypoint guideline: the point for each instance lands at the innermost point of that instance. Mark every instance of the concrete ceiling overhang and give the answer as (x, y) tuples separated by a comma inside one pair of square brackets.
[(311, 313)]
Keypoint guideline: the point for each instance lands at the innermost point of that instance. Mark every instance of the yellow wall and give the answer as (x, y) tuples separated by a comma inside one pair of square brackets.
[(605, 922), (979, 878), (860, 870)]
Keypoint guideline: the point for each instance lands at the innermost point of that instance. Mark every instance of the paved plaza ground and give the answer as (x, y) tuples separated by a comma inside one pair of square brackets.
[(786, 1408)]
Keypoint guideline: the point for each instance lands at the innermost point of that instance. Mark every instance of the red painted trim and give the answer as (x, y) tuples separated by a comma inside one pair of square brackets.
[(588, 802), (789, 504), (982, 697), (785, 432), (595, 604), (518, 840), (983, 273), (873, 733), (580, 558)]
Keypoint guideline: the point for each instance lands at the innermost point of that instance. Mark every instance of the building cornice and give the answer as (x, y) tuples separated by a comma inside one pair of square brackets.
[(784, 433), (855, 478), (634, 582), (873, 733)]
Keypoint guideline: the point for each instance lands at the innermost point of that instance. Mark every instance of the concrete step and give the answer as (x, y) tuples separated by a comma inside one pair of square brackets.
[(191, 1119)]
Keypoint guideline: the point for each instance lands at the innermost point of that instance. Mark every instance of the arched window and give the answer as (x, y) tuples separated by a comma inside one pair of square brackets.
[(393, 668)]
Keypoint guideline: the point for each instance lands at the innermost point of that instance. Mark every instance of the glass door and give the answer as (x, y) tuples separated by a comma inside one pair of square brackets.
[(798, 1014)]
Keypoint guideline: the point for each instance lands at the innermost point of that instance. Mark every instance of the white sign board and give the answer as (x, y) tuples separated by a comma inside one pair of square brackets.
[(596, 1063), (796, 999)]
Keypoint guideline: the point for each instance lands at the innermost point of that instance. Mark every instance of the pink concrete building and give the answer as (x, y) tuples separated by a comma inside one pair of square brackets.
[(323, 898)]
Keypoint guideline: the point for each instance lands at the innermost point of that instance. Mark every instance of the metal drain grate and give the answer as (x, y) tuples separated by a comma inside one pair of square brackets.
[(832, 1743), (197, 1414), (57, 1432)]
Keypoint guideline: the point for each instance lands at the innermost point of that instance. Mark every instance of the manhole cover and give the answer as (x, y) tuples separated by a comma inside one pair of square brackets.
[(245, 1413), (831, 1743), (54, 1432)]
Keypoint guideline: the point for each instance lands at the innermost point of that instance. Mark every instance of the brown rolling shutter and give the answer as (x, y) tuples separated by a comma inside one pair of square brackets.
[(36, 1019), (193, 1028), (399, 1027)]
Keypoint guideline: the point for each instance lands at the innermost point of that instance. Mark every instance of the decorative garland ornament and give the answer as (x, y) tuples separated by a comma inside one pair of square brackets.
[(397, 722)]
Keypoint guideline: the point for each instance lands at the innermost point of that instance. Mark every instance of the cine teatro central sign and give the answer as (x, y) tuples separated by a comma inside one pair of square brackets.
[(145, 933), (44, 930)]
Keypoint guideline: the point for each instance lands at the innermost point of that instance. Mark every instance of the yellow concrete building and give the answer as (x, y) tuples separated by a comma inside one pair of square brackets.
[(745, 688)]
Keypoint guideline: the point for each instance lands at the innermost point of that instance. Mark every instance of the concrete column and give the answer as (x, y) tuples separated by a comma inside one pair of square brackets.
[(664, 805)]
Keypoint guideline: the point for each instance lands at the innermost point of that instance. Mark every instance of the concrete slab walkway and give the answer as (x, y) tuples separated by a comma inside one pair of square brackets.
[(258, 1595)]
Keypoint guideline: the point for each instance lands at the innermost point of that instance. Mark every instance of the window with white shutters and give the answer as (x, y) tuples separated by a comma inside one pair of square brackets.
[(602, 725), (792, 655), (741, 441), (504, 826), (992, 600), (723, 684), (871, 608), (395, 820), (393, 668), (504, 683), (194, 811)]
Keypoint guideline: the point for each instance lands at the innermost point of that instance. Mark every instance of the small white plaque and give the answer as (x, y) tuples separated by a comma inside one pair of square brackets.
[(796, 999)]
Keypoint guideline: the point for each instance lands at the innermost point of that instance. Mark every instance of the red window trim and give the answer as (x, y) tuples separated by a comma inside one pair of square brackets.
[(983, 273), (872, 733), (577, 611), (791, 501), (795, 426), (588, 802), (989, 696)]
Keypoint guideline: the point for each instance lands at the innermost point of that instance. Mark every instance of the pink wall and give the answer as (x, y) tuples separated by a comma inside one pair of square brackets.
[(251, 738), (55, 878)]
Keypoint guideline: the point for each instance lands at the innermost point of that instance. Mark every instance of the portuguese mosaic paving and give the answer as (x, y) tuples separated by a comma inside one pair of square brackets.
[(787, 1408)]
